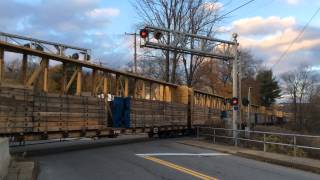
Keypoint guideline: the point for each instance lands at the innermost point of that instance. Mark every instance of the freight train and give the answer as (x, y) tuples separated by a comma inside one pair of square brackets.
[(115, 102), (30, 115)]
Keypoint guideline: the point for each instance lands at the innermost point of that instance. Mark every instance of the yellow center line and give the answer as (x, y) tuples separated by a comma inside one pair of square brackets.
[(180, 168)]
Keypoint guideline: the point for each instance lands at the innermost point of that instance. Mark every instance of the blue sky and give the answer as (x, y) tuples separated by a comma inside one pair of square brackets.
[(265, 27)]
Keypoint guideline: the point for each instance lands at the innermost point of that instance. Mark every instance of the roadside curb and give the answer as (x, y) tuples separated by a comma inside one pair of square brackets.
[(291, 164), (280, 162), (23, 170), (68, 147)]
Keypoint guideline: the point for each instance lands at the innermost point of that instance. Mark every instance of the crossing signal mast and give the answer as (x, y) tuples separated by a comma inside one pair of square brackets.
[(154, 37)]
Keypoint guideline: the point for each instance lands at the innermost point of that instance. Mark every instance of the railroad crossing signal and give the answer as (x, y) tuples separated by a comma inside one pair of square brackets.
[(144, 33), (234, 101), (157, 35), (218, 49)]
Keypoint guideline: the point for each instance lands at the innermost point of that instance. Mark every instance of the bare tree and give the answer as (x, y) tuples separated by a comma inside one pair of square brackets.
[(214, 76), (149, 66), (211, 77), (250, 66), (312, 111), (299, 85), (191, 16), (166, 14), (12, 69), (202, 19)]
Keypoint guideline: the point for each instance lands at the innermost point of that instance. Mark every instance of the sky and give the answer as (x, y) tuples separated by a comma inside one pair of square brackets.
[(265, 27)]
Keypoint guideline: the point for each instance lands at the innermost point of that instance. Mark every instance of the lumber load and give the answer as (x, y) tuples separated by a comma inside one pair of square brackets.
[(148, 113), (53, 112), (206, 116), (23, 111), (16, 106), (140, 113)]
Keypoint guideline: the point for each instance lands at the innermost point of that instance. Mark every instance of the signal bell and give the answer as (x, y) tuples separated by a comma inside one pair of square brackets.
[(144, 33), (157, 35)]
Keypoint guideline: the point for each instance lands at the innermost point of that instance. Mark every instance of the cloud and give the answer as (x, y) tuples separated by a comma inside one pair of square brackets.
[(261, 26), (75, 22), (268, 38), (293, 2), (212, 6), (103, 12)]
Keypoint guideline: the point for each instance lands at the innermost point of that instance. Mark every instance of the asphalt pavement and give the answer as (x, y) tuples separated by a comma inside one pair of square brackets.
[(158, 159)]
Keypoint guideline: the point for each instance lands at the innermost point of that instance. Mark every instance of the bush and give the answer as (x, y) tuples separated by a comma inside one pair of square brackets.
[(283, 149)]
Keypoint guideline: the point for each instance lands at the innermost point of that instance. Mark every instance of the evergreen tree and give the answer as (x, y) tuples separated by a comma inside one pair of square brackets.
[(269, 87)]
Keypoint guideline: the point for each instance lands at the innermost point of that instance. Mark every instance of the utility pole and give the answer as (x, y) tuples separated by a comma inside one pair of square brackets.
[(135, 50), (239, 87), (235, 86), (248, 113)]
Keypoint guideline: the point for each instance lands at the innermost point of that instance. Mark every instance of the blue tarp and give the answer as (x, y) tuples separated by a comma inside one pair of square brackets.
[(126, 116), (121, 112), (223, 114)]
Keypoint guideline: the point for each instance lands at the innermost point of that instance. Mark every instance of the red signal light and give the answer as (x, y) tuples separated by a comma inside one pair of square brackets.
[(144, 33), (234, 101)]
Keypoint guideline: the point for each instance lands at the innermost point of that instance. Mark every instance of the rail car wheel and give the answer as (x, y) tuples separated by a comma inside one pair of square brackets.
[(112, 136), (150, 134), (161, 134), (176, 133), (183, 132), (170, 134)]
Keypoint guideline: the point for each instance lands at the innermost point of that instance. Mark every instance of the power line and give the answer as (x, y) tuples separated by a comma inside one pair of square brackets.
[(298, 36), (233, 10)]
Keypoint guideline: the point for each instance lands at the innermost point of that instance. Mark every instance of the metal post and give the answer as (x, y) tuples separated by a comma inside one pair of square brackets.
[(248, 113), (264, 143), (214, 136), (294, 146), (135, 52), (198, 132), (235, 85), (236, 138), (239, 88)]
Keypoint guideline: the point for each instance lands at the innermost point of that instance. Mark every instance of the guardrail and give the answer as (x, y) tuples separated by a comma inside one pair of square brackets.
[(261, 137)]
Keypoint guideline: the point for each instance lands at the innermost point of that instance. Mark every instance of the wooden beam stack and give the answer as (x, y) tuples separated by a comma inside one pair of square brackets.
[(23, 111), (148, 113), (202, 115), (16, 106), (54, 112)]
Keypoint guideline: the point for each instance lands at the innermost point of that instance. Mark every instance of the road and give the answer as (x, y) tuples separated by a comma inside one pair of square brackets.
[(146, 160)]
